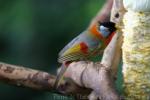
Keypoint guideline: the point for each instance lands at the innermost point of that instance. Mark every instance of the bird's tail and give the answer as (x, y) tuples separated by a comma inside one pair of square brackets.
[(60, 76)]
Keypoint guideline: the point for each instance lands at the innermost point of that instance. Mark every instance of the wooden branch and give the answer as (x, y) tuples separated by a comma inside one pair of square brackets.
[(112, 59), (112, 54), (100, 80), (25, 77), (117, 14), (117, 56)]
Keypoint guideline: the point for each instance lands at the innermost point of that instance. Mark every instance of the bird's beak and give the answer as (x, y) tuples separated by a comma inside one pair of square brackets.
[(118, 27)]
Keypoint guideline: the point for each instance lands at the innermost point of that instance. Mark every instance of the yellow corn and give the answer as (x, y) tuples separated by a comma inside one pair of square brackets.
[(136, 55)]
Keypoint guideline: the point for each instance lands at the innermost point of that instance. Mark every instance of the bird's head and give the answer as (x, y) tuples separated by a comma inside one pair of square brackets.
[(107, 28)]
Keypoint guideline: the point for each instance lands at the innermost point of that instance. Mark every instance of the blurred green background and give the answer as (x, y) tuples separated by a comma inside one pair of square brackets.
[(32, 32)]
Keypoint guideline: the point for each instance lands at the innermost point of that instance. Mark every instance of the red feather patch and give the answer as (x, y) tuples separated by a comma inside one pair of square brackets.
[(84, 47), (109, 38)]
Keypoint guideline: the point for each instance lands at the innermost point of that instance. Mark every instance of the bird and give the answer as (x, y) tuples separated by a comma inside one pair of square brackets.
[(87, 44)]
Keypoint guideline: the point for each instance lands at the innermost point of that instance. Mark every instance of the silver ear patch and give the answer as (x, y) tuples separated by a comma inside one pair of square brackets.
[(104, 31)]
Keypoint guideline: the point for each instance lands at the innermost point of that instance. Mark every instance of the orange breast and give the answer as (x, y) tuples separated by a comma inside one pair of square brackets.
[(97, 34), (95, 31)]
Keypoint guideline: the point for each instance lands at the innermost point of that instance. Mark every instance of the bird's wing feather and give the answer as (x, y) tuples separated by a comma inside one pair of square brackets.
[(75, 41), (76, 51), (73, 53)]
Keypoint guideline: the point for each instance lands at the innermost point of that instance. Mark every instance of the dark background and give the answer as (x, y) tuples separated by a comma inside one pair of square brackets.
[(32, 32)]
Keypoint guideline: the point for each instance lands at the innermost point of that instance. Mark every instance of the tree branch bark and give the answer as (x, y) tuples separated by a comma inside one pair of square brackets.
[(117, 14), (25, 77)]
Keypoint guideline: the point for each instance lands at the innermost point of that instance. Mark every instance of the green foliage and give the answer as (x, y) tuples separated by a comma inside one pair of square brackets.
[(119, 81)]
